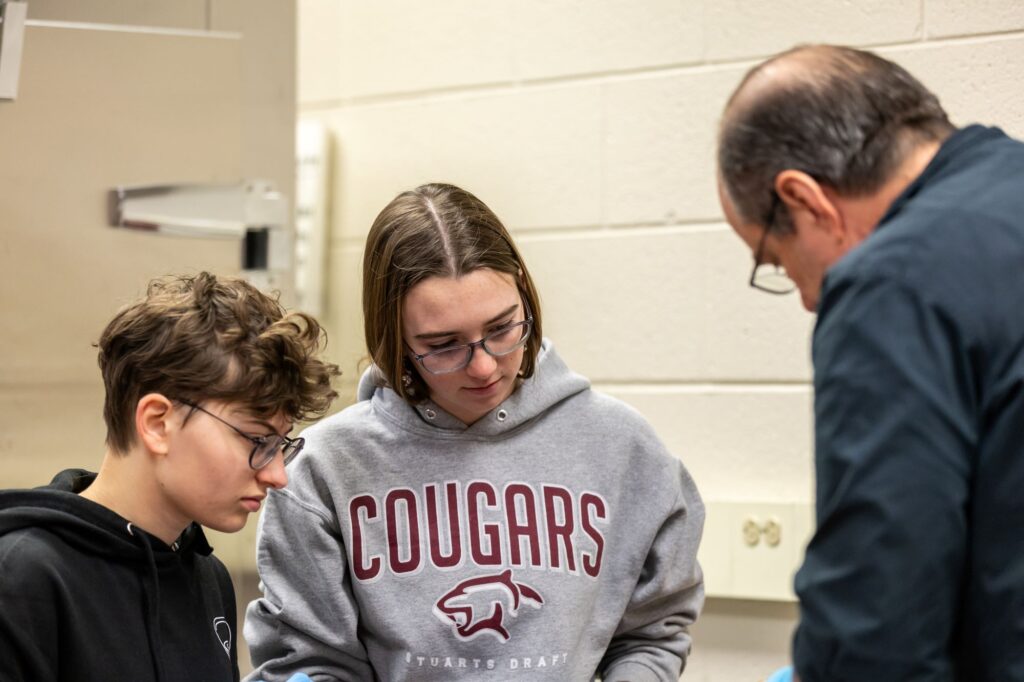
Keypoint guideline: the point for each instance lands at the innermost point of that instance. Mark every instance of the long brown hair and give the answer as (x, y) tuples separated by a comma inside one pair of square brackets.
[(435, 230)]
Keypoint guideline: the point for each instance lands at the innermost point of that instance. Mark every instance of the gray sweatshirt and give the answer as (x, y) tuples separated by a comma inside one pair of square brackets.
[(553, 539)]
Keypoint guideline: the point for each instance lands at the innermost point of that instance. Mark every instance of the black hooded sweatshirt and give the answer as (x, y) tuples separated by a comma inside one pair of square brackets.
[(86, 596)]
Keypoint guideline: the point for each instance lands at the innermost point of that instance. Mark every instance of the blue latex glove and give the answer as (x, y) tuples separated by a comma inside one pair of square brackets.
[(780, 675), (297, 677)]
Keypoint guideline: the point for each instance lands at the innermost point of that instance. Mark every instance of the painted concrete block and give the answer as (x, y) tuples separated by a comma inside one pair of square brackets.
[(739, 442), (660, 146), (738, 29), (533, 156), (591, 36), (319, 74), (397, 46), (977, 82), (665, 305), (957, 18)]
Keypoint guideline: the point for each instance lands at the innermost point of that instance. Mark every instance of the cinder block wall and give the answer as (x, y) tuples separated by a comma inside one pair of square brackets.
[(589, 127)]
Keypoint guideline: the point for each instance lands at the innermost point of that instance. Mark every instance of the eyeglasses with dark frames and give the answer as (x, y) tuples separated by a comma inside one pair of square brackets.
[(770, 277), (264, 448), (500, 342)]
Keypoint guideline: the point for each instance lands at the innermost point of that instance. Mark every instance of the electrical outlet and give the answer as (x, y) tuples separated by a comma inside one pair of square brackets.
[(751, 550)]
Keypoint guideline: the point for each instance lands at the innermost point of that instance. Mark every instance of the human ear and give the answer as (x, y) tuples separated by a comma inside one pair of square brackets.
[(804, 197), (153, 424)]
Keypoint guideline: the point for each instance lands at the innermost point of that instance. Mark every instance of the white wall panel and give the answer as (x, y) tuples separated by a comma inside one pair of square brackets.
[(47, 429), (171, 114), (236, 15), (180, 14)]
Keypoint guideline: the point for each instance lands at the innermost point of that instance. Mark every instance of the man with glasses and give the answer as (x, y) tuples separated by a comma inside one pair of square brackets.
[(844, 176), (109, 576)]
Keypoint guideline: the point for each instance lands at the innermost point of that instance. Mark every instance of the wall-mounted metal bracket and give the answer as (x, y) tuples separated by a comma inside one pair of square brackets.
[(194, 210), (252, 212), (12, 37)]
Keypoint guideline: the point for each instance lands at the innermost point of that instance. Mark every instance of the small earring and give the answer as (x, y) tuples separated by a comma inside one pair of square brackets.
[(406, 378)]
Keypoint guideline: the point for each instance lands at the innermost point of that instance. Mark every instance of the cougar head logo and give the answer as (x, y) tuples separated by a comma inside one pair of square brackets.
[(478, 605)]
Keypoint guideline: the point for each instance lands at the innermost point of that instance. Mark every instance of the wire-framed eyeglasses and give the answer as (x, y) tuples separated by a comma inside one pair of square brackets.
[(770, 277), (498, 343), (264, 448)]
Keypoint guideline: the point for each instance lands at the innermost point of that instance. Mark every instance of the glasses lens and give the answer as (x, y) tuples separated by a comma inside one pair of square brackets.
[(773, 279), (506, 340), (292, 449), (266, 451), (447, 360)]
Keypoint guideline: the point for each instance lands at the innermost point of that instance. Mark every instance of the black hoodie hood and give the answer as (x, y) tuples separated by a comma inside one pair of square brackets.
[(105, 599), (86, 526)]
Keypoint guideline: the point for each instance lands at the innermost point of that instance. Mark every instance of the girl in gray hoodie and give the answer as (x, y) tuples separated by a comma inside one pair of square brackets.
[(480, 513)]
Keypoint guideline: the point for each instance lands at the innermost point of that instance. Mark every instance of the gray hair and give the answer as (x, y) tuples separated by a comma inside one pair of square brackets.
[(846, 117)]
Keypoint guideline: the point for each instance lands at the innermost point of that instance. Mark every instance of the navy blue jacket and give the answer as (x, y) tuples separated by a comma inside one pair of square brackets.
[(86, 598), (916, 571)]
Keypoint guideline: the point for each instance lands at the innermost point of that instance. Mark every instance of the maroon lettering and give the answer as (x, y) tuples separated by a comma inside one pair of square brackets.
[(492, 557), (437, 555), (519, 530), (412, 536), (559, 533), (590, 502), (518, 525), (362, 570)]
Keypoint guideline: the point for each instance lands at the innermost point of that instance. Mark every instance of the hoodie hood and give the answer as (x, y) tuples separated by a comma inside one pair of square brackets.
[(99, 555), (537, 525), (89, 527), (531, 399)]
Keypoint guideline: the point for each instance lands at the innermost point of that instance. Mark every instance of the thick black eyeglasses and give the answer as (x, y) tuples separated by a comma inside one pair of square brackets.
[(264, 448), (498, 343), (770, 277)]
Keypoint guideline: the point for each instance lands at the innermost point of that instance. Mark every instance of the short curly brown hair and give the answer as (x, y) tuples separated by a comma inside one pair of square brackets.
[(203, 337)]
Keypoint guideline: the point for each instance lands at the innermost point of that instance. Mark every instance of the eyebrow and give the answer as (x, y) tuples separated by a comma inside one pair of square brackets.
[(504, 313), (265, 424)]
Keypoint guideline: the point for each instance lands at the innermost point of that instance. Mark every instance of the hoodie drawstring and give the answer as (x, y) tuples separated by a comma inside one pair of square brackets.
[(152, 611)]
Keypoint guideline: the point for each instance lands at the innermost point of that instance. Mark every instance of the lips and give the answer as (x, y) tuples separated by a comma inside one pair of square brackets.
[(485, 388), (252, 503)]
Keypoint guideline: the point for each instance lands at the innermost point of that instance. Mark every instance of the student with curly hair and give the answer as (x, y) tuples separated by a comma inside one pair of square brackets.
[(109, 576)]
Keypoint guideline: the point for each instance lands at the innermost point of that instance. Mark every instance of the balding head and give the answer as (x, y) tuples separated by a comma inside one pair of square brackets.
[(845, 117)]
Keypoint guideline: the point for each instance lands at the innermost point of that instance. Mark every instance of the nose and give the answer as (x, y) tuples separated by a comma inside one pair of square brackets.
[(274, 475), (482, 364)]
